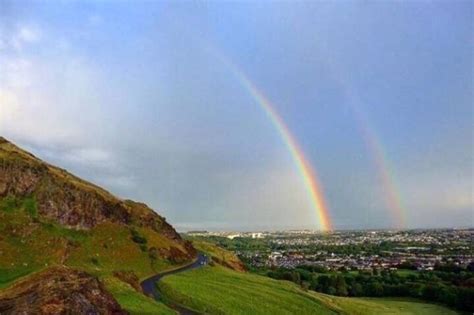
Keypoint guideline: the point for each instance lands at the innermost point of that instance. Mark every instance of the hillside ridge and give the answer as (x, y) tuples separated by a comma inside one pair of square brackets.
[(68, 199)]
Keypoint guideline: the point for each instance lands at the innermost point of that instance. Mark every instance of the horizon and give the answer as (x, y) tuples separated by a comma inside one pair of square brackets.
[(284, 230), (218, 116)]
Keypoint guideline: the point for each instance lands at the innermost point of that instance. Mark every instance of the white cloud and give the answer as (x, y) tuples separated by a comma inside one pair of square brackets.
[(28, 34), (19, 37), (49, 101)]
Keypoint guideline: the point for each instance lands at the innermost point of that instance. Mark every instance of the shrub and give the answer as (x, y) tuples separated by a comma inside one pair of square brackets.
[(137, 238)]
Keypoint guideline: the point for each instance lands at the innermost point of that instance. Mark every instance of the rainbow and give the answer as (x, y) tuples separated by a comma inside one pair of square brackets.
[(392, 196), (308, 174)]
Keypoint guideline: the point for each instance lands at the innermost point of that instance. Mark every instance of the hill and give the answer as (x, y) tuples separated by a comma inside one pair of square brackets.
[(49, 217), (219, 290)]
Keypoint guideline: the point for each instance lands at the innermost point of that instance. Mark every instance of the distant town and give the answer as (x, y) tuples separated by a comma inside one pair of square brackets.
[(349, 250)]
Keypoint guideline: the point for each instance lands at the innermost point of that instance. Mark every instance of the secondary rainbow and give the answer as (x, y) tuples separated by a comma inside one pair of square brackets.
[(392, 196), (308, 174)]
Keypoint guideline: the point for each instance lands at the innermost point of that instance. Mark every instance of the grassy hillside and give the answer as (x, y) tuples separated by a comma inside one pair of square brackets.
[(377, 306), (49, 217), (29, 244), (219, 255), (218, 290)]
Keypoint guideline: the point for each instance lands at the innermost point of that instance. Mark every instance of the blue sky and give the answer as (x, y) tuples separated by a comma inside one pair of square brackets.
[(130, 96)]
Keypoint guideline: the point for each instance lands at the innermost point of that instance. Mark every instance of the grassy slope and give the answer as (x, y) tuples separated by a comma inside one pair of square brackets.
[(219, 255), (377, 306), (28, 245), (217, 290), (214, 251), (134, 302)]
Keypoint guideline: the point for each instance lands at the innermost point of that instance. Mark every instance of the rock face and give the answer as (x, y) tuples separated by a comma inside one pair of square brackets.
[(69, 200), (59, 290)]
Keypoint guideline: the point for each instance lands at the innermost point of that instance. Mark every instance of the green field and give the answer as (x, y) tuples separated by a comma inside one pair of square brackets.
[(217, 290)]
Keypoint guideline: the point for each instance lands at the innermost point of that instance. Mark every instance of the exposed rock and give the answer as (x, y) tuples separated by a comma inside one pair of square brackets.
[(58, 290), (71, 201), (129, 277)]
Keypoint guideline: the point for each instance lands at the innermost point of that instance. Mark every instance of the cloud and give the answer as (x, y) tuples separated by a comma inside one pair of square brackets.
[(48, 103), (28, 34), (20, 37)]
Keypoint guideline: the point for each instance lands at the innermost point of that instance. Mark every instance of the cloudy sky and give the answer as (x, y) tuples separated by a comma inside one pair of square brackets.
[(138, 97)]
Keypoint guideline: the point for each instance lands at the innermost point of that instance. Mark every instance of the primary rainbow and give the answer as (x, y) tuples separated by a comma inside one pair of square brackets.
[(308, 174)]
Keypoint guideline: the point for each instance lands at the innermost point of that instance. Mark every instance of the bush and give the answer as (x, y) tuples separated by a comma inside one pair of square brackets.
[(137, 238)]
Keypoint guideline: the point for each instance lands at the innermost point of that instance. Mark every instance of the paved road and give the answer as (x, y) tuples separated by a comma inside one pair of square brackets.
[(149, 285)]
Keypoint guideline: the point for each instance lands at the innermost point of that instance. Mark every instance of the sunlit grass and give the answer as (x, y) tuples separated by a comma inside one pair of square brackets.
[(134, 302), (217, 290)]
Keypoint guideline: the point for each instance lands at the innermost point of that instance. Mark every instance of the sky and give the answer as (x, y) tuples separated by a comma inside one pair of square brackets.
[(143, 99)]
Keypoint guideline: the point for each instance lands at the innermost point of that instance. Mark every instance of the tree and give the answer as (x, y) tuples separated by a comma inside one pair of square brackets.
[(324, 283), (341, 286), (375, 289), (357, 290)]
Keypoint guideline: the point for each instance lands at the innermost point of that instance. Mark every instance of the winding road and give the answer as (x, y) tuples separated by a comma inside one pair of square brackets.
[(149, 286)]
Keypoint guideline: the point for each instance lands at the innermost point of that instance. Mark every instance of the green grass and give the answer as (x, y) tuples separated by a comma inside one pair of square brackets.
[(408, 306), (12, 204), (7, 276), (62, 232), (385, 306), (134, 302), (29, 244), (217, 290)]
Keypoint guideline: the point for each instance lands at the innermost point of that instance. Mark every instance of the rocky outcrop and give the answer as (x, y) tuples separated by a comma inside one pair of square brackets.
[(130, 278), (71, 201), (59, 290)]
